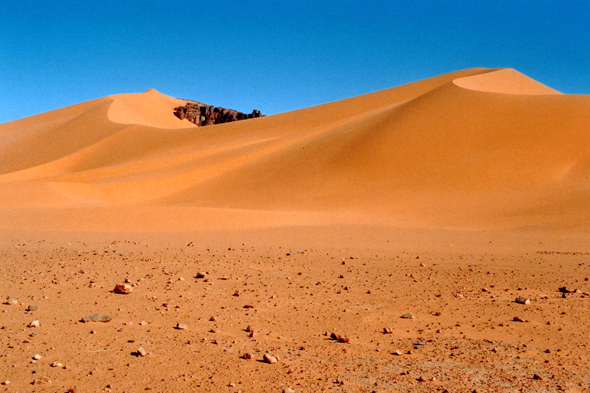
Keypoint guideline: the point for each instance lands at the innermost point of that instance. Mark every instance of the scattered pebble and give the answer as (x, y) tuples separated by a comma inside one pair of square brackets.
[(408, 315), (522, 300), (201, 275), (142, 352), (41, 381), (124, 289), (517, 319), (268, 358), (32, 308), (387, 330), (7, 382), (37, 357), (181, 326), (56, 364), (34, 324), (96, 318), (248, 356), (289, 390), (339, 338)]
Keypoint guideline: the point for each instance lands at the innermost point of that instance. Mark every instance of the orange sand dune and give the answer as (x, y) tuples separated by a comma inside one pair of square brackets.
[(477, 148)]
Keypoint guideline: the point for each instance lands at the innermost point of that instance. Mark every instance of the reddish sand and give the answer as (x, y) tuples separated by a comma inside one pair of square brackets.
[(448, 198)]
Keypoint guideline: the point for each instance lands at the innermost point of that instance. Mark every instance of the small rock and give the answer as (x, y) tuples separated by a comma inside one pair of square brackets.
[(522, 300), (34, 324), (248, 356), (565, 290), (268, 358), (32, 308), (517, 319), (201, 275), (142, 352), (387, 331), (7, 382), (143, 323), (339, 338), (96, 318), (12, 302), (231, 385), (248, 306), (56, 364), (37, 357), (41, 381), (213, 319), (181, 326), (537, 377), (289, 390), (408, 315), (398, 353), (124, 289)]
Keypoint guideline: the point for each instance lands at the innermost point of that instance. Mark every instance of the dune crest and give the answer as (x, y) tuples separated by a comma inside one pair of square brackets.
[(150, 108), (505, 81)]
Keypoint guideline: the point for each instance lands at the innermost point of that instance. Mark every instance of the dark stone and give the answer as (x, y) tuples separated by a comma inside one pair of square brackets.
[(206, 115)]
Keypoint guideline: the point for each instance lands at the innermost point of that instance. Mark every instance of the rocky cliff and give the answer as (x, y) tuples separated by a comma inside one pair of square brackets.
[(205, 115)]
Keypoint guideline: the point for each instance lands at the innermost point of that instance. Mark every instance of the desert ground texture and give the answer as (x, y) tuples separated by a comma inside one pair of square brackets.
[(431, 237)]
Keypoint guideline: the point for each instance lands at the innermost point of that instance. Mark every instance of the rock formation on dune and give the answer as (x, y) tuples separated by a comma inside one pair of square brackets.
[(205, 115)]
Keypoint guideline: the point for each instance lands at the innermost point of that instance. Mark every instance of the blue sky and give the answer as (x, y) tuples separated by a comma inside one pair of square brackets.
[(275, 55)]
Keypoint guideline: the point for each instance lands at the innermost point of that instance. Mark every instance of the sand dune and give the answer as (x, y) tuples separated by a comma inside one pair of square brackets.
[(474, 148)]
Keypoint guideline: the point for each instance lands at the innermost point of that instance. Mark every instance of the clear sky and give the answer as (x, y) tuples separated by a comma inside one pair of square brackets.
[(276, 55)]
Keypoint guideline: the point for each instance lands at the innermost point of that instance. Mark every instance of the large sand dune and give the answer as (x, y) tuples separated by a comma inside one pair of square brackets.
[(477, 148)]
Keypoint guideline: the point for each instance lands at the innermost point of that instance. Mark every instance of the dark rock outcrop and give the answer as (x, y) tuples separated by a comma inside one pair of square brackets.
[(205, 115)]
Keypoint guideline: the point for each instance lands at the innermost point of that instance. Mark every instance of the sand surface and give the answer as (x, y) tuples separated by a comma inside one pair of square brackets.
[(446, 198)]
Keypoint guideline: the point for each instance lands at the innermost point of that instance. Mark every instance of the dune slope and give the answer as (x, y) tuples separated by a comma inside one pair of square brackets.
[(479, 148)]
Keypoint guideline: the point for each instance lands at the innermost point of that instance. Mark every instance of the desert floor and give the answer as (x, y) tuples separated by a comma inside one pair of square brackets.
[(294, 288)]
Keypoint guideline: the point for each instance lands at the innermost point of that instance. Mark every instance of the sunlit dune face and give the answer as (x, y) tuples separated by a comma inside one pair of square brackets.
[(504, 81)]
